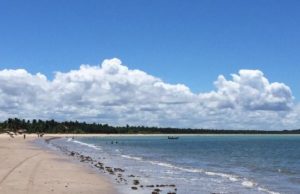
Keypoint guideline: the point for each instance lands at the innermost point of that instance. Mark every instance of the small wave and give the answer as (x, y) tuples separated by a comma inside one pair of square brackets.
[(231, 177), (248, 183), (234, 178), (85, 144), (163, 164), (131, 157), (193, 170), (267, 191)]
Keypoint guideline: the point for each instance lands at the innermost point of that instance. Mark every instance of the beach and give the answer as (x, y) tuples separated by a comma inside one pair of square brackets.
[(26, 168), (143, 164), (193, 164)]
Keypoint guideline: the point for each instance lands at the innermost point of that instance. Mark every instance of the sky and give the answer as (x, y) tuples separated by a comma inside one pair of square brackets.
[(218, 64)]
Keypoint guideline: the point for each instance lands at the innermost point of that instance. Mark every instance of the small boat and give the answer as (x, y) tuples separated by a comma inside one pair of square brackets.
[(173, 137)]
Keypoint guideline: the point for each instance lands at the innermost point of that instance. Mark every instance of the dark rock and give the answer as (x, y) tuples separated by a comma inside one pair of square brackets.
[(85, 158), (118, 170), (136, 182), (88, 158), (134, 188), (100, 164), (109, 170)]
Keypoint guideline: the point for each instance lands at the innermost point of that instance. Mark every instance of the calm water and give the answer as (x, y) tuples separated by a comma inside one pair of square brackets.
[(203, 164)]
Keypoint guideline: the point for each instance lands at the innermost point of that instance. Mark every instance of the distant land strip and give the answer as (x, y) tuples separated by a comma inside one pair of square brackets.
[(76, 127)]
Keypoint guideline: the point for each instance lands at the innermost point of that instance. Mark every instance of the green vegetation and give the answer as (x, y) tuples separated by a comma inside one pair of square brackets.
[(51, 126)]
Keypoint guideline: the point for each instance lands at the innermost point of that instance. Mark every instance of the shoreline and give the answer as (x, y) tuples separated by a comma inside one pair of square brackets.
[(126, 182), (27, 168), (103, 173), (58, 135)]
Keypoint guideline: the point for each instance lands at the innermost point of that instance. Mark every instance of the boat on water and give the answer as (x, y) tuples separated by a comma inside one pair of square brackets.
[(173, 137)]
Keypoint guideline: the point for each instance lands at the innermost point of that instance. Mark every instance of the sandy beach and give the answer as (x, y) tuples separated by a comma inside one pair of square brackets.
[(25, 168)]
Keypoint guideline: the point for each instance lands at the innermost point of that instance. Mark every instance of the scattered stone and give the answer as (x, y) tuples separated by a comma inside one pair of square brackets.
[(118, 170), (109, 170), (136, 182), (85, 158)]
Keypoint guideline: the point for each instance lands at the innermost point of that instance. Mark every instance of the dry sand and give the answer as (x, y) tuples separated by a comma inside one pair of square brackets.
[(25, 168)]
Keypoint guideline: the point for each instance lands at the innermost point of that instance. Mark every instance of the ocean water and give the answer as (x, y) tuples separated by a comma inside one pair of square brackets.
[(199, 164)]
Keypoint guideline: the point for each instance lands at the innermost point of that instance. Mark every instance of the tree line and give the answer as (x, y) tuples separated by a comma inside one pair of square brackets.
[(52, 126)]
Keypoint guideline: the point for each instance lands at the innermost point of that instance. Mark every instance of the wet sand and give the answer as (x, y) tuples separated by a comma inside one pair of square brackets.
[(25, 168)]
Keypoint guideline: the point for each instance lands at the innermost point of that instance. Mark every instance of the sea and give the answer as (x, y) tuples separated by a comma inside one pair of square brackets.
[(196, 164)]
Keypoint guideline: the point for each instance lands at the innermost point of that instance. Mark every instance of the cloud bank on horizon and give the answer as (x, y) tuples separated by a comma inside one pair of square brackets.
[(112, 93)]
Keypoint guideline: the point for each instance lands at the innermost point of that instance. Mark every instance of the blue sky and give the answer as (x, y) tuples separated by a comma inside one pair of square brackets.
[(189, 42), (186, 51)]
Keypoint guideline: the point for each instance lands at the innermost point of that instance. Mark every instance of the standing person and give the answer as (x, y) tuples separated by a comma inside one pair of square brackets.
[(24, 136)]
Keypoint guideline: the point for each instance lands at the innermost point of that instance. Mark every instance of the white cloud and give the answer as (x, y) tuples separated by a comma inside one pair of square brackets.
[(250, 90), (112, 93)]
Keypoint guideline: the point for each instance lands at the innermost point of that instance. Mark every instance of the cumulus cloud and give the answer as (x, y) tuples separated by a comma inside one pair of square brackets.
[(250, 90), (114, 94)]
